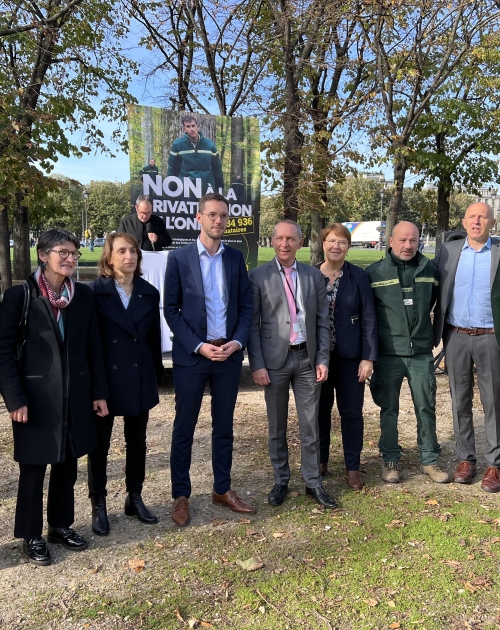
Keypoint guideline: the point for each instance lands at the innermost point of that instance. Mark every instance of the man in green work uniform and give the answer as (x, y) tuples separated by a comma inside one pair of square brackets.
[(405, 287), (196, 157)]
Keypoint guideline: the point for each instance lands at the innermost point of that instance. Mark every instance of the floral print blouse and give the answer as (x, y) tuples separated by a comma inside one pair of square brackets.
[(331, 292)]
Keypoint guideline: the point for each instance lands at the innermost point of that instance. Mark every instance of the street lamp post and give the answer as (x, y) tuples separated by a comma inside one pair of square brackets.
[(84, 229), (381, 238)]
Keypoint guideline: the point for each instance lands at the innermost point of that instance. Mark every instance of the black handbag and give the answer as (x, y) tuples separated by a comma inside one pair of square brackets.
[(23, 324)]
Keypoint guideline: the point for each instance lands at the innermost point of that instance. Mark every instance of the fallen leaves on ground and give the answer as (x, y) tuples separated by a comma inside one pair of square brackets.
[(479, 584), (252, 564), (395, 523), (281, 535), (432, 502), (136, 565), (371, 602)]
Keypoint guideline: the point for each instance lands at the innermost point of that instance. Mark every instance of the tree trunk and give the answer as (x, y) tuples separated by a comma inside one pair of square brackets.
[(443, 204), (400, 166), (21, 236), (321, 168), (5, 264), (316, 244)]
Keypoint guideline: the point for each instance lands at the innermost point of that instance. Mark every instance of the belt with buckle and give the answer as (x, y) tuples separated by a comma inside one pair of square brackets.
[(298, 346), (217, 342), (473, 332)]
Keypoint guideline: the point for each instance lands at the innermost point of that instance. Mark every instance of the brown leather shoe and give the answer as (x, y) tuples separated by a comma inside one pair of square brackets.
[(323, 469), (180, 511), (491, 480), (354, 480), (233, 502), (465, 472)]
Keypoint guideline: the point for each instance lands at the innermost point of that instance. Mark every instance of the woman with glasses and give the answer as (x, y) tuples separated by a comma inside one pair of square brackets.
[(353, 349), (128, 310), (51, 390)]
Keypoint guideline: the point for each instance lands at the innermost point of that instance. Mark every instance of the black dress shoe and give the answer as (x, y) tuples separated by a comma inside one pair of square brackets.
[(322, 497), (134, 506), (277, 494), (100, 523), (35, 549), (67, 538)]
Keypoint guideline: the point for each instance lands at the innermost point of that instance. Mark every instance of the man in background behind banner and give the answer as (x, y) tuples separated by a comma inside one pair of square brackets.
[(148, 229), (150, 169), (196, 157)]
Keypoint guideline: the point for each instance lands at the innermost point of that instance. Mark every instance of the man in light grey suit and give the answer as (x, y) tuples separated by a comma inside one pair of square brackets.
[(290, 343), (466, 318)]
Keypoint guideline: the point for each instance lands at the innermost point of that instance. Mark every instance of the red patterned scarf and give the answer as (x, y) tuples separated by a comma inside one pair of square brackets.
[(57, 302)]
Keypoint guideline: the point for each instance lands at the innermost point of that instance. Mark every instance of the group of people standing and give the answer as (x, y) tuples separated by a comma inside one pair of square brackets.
[(73, 357)]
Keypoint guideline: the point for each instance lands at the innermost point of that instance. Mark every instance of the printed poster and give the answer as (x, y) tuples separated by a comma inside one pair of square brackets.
[(177, 157)]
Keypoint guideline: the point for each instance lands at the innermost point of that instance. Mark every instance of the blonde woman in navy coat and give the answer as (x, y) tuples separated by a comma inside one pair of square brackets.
[(128, 310)]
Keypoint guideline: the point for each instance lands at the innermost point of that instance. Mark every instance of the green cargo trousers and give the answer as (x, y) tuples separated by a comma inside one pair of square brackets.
[(388, 374)]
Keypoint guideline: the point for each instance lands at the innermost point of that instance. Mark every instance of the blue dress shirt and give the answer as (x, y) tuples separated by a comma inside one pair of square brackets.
[(212, 273), (470, 306)]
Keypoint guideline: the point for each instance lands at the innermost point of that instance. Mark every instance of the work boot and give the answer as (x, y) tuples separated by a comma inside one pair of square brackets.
[(390, 472), (435, 473)]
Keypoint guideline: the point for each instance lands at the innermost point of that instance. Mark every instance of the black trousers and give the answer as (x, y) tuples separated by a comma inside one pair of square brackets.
[(60, 499), (134, 428), (342, 379)]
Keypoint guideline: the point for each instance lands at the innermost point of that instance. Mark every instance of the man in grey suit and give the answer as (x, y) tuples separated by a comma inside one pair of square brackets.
[(467, 319), (290, 343)]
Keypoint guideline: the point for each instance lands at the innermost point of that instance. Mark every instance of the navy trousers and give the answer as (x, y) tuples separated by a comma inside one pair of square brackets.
[(190, 382), (343, 380)]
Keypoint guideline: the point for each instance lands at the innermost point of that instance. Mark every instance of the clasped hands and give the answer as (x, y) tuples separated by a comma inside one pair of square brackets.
[(216, 353)]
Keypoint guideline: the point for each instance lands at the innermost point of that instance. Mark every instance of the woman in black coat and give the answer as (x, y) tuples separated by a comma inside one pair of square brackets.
[(128, 310), (51, 391), (353, 349)]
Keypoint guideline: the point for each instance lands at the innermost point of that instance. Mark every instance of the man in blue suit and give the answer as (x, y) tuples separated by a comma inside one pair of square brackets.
[(208, 307)]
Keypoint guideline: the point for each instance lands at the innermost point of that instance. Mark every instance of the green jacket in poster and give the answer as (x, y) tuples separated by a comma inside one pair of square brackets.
[(196, 160), (399, 334)]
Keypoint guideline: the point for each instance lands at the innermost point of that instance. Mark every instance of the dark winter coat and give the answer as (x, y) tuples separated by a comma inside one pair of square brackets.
[(57, 380), (131, 342), (133, 225)]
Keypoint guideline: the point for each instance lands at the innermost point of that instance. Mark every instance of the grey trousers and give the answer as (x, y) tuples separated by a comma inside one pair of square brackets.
[(296, 370), (462, 353)]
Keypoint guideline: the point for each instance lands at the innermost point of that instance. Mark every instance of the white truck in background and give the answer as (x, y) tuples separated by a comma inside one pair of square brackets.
[(366, 233)]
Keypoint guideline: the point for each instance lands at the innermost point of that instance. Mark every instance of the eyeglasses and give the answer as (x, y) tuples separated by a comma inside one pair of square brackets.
[(64, 253), (214, 215), (336, 242)]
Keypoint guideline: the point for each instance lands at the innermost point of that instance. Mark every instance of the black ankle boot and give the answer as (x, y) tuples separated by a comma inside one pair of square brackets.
[(134, 506), (100, 523)]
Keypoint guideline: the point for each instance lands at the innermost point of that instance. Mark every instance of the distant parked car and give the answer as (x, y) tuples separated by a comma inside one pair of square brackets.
[(99, 242)]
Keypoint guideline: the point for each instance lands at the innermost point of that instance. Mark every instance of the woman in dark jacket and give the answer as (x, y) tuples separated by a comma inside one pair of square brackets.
[(51, 391), (128, 310), (353, 349)]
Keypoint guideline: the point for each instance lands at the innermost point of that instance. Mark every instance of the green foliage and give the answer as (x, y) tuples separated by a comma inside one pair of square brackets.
[(456, 139), (107, 203), (55, 80)]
